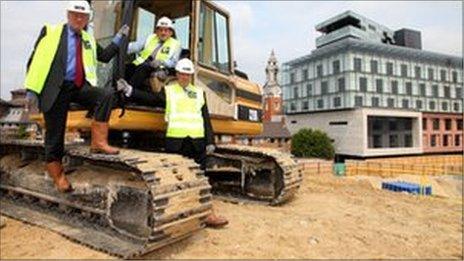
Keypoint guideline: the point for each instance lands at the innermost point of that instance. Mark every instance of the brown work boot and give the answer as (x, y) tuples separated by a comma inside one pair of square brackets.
[(55, 170), (215, 221), (99, 142)]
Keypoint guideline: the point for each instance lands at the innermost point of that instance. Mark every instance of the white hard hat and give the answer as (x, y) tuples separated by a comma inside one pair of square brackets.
[(79, 7), (185, 66), (164, 22)]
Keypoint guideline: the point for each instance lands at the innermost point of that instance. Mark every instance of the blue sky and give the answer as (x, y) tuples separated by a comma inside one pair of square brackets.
[(258, 27)]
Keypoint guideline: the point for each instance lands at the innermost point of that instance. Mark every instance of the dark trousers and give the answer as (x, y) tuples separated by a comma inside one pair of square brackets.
[(191, 148), (100, 100), (139, 76)]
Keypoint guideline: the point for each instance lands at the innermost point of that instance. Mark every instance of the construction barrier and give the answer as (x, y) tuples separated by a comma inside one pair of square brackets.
[(421, 165), (316, 166)]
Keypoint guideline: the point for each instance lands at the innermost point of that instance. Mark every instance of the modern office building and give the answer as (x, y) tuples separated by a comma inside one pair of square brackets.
[(371, 89)]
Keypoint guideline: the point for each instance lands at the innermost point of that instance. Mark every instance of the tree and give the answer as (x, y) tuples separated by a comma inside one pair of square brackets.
[(312, 143)]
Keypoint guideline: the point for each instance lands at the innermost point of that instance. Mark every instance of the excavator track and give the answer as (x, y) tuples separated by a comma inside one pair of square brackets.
[(124, 205), (257, 174)]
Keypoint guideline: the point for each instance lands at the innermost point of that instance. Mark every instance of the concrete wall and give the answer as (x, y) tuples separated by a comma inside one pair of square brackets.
[(348, 129)]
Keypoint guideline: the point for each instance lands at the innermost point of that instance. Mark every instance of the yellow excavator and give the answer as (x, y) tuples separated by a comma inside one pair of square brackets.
[(130, 204)]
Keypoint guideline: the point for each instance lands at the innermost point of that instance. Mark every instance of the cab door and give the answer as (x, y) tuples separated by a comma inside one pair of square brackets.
[(213, 59)]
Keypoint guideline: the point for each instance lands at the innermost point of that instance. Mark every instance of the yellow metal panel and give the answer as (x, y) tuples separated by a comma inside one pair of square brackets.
[(154, 121)]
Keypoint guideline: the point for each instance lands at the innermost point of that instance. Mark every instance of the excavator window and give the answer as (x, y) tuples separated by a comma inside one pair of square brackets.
[(182, 28), (145, 24), (214, 39)]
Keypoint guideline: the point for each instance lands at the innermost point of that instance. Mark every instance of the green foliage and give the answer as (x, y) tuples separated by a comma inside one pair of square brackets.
[(22, 132), (309, 143)]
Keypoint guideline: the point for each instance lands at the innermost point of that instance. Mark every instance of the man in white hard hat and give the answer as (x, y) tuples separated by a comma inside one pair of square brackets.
[(63, 69), (156, 56), (189, 131)]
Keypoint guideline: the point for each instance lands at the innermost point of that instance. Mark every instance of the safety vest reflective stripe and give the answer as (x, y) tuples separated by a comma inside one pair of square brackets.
[(183, 113), (164, 54), (45, 53)]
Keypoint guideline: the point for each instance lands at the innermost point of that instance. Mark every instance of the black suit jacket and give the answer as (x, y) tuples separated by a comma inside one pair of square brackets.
[(58, 68)]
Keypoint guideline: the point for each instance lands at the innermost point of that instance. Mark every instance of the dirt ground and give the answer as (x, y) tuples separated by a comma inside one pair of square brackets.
[(330, 218)]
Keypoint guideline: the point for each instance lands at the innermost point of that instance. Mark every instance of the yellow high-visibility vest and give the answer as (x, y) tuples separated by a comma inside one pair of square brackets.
[(45, 52), (165, 53), (183, 111)]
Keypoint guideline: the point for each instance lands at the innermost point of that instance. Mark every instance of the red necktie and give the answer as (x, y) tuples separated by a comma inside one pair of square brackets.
[(79, 79)]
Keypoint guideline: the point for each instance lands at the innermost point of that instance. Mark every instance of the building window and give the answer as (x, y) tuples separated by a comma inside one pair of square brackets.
[(363, 84), (320, 70), (393, 141), (377, 139), (320, 103), (435, 90), (423, 91), (444, 106), (393, 125), (458, 93), (389, 68), (457, 140), (448, 124), (431, 105), (459, 124), (305, 74), (456, 106), (341, 84), (455, 76), (305, 105), (408, 88), (336, 66), (394, 87), (424, 123), (337, 101), (357, 64), (324, 88), (446, 140), (375, 102), (292, 78), (433, 140), (408, 140), (404, 70), (292, 106), (430, 74), (309, 89), (358, 101), (447, 91), (391, 102), (295, 92), (405, 103), (374, 66), (443, 75), (379, 85), (436, 124), (419, 104), (417, 71)]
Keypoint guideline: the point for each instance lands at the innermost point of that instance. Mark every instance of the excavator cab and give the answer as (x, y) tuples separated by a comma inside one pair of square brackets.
[(203, 29)]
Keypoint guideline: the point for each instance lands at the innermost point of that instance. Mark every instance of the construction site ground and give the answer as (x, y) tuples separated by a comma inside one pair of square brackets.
[(331, 217)]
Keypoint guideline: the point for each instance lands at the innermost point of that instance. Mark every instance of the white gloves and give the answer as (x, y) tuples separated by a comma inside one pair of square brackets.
[(124, 30), (210, 149), (123, 86)]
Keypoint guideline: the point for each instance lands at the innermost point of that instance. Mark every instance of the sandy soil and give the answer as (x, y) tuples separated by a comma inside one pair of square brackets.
[(330, 218)]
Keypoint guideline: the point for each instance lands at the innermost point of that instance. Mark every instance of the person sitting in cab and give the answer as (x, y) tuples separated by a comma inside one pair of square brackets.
[(156, 56)]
